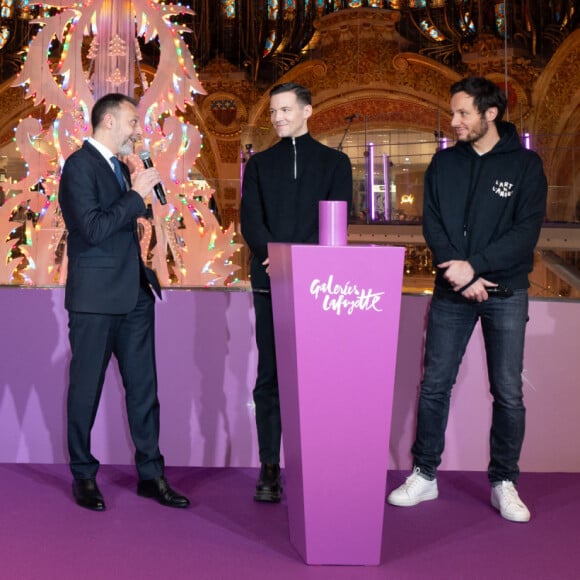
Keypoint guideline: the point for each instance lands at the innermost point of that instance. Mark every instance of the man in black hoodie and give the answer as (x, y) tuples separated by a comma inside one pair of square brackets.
[(485, 201), (280, 193)]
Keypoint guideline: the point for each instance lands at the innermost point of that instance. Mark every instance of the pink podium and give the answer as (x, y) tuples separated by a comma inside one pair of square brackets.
[(336, 320)]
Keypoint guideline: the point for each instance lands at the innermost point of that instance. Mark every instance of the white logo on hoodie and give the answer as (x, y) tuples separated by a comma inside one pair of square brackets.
[(503, 188)]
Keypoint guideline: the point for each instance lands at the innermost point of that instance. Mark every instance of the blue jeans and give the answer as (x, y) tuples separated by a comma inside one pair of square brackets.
[(449, 328)]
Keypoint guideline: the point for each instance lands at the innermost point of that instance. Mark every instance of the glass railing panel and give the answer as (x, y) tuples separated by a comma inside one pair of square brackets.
[(198, 242)]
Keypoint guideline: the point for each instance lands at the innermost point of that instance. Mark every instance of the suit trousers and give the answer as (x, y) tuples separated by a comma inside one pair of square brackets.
[(266, 397), (131, 338)]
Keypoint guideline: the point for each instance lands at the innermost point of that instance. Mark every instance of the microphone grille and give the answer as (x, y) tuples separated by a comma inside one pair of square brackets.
[(144, 155)]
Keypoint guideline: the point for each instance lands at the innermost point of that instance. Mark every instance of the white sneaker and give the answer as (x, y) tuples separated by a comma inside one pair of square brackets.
[(415, 490), (505, 498)]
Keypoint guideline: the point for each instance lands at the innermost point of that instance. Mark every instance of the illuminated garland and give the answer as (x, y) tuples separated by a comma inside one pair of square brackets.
[(70, 89)]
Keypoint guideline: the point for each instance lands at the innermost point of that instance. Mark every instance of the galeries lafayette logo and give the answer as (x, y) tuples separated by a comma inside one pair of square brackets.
[(346, 297)]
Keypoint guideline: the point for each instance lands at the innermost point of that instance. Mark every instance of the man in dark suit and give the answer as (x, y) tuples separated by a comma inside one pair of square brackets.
[(110, 300)]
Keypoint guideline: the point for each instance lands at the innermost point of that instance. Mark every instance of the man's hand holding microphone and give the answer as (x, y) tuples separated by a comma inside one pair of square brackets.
[(144, 177)]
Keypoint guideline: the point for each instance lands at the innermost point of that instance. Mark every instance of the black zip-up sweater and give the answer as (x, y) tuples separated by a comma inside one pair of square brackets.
[(486, 209), (280, 193)]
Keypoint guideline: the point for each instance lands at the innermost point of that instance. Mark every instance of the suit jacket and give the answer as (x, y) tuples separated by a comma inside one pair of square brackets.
[(105, 268)]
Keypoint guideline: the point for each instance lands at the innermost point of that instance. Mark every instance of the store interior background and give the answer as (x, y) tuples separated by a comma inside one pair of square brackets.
[(380, 73)]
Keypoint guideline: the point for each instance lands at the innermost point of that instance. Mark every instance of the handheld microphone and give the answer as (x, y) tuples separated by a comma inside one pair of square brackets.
[(499, 291), (157, 188)]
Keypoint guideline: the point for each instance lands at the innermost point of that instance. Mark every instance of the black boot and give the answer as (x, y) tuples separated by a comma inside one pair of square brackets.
[(269, 488)]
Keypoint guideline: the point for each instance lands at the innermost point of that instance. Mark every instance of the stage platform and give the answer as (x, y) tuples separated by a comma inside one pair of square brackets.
[(224, 535)]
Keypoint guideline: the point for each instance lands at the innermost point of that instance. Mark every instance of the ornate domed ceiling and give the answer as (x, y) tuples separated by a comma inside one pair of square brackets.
[(267, 37)]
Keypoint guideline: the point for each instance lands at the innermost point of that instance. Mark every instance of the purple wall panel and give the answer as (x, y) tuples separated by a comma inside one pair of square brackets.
[(207, 362)]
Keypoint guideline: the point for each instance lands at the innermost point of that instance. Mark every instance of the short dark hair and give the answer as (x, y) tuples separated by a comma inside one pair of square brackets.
[(303, 95), (485, 93), (108, 103)]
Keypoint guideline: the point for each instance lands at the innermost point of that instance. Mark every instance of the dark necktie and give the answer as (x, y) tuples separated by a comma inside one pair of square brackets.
[(117, 166)]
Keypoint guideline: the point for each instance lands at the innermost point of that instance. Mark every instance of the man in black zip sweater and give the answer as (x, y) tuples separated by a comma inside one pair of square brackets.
[(485, 201), (280, 193)]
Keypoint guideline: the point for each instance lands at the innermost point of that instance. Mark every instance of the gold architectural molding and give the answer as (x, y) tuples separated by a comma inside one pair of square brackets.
[(556, 97), (360, 64), (558, 86), (13, 107)]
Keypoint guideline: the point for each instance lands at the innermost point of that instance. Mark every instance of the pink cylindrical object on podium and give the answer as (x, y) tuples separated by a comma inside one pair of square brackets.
[(332, 223)]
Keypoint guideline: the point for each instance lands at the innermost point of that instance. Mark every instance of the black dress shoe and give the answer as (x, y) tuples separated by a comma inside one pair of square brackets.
[(269, 487), (159, 489), (87, 494)]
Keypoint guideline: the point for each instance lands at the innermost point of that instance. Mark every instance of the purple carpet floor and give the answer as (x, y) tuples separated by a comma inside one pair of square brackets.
[(44, 535)]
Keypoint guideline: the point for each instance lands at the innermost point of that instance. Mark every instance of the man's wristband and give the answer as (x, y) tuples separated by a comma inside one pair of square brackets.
[(475, 278)]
